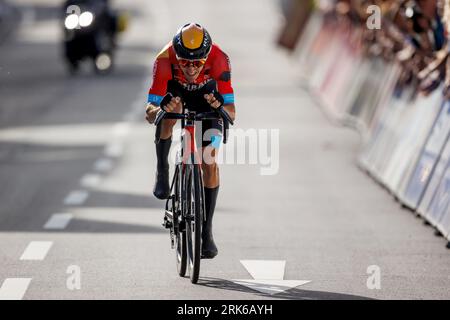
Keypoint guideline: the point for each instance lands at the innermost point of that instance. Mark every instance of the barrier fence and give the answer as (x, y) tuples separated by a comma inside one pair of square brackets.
[(406, 135)]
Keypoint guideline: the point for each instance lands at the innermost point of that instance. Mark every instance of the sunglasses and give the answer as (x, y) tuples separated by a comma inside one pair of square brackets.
[(196, 63)]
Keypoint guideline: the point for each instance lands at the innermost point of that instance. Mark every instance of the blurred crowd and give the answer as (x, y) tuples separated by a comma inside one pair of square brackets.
[(414, 33)]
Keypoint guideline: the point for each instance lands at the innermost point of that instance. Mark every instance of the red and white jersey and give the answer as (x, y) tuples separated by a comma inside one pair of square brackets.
[(166, 68)]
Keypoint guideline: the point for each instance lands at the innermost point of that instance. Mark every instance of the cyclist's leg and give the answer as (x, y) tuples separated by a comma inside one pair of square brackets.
[(163, 141), (211, 182)]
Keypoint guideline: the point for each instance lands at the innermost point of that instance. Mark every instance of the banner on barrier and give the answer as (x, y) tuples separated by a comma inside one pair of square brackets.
[(434, 185), (435, 203), (387, 152), (440, 207), (426, 165), (406, 136), (417, 122)]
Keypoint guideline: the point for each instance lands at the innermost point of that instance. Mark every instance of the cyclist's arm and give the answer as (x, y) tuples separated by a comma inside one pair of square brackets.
[(174, 105), (222, 73), (161, 74)]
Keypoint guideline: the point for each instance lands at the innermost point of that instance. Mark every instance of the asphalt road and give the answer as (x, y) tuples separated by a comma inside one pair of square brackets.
[(78, 149)]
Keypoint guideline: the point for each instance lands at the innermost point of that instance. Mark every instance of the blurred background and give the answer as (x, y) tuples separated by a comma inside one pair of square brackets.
[(357, 95), (382, 68)]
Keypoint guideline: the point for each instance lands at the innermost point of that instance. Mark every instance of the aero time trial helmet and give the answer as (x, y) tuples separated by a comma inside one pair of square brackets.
[(192, 42)]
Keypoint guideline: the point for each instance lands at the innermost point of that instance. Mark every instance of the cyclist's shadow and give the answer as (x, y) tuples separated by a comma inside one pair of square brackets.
[(291, 294)]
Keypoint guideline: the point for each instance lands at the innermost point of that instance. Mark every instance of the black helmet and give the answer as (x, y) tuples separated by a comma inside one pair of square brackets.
[(192, 42)]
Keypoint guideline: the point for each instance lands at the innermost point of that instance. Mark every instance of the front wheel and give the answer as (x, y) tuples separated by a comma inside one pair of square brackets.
[(194, 217), (103, 63), (180, 248), (178, 229)]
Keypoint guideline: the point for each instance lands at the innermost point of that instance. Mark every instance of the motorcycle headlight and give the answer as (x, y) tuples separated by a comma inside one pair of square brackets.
[(86, 19), (71, 22)]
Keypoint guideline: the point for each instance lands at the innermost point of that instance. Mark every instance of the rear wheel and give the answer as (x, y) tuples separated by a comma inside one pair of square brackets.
[(194, 216)]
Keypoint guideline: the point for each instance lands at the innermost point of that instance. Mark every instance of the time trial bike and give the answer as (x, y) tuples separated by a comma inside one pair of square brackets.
[(185, 207)]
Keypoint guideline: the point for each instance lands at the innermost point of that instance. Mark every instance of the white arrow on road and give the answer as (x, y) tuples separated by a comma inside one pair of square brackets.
[(268, 276)]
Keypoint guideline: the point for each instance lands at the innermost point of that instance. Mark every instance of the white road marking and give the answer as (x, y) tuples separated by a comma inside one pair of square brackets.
[(90, 180), (36, 250), (267, 276), (121, 129), (114, 149), (14, 288), (103, 164), (270, 286), (77, 197), (58, 221), (265, 269)]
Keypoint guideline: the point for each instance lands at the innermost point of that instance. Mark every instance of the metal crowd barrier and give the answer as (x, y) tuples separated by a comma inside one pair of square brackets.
[(406, 136)]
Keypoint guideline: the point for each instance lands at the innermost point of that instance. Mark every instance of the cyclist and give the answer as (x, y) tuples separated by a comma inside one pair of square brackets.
[(196, 72)]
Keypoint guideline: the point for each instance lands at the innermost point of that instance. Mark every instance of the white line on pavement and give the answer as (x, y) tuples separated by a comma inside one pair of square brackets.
[(58, 221), (270, 286), (90, 180), (14, 288), (121, 129), (36, 250), (268, 276), (77, 197), (103, 164), (265, 269), (114, 149)]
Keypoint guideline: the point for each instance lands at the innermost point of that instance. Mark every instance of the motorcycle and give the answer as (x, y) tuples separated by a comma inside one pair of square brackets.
[(90, 31)]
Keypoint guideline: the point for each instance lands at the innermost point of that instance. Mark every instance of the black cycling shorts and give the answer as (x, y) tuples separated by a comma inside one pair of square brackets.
[(211, 133)]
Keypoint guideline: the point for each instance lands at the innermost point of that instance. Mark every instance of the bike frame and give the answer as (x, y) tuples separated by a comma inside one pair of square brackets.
[(190, 152), (188, 207), (189, 156)]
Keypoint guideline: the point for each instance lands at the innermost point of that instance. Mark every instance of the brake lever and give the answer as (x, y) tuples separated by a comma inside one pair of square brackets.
[(226, 126), (225, 114), (162, 113), (226, 122)]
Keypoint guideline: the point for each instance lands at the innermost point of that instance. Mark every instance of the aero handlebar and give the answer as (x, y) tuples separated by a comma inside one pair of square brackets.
[(218, 113)]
